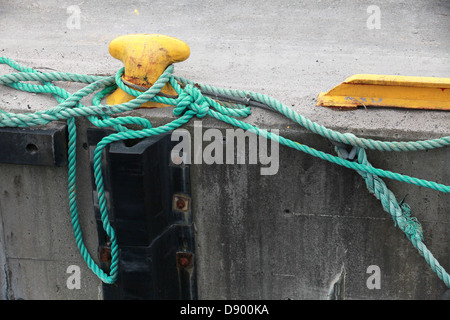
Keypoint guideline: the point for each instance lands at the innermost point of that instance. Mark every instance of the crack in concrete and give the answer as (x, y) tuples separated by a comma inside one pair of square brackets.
[(337, 288)]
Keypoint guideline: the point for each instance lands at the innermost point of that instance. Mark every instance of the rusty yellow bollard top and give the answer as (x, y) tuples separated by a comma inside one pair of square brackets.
[(145, 57)]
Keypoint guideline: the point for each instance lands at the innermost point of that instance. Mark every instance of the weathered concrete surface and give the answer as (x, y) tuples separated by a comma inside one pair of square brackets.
[(274, 237), (37, 238), (288, 235)]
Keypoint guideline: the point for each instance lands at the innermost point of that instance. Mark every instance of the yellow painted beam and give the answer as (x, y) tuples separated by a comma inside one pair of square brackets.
[(390, 91)]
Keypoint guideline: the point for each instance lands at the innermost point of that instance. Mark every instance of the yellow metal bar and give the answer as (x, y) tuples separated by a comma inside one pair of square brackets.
[(390, 91)]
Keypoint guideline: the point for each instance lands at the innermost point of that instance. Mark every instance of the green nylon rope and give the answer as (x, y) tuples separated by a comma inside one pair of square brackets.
[(192, 102)]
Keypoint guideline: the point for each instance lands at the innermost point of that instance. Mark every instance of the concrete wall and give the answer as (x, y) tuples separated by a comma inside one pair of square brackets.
[(38, 243), (286, 236), (283, 236)]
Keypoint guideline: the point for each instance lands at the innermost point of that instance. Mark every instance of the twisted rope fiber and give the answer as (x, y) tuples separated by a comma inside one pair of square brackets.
[(189, 103), (401, 214)]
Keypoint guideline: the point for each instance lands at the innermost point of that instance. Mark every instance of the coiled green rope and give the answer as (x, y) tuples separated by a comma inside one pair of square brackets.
[(192, 101)]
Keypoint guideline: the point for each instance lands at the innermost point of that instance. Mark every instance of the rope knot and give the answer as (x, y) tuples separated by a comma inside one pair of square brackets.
[(191, 98)]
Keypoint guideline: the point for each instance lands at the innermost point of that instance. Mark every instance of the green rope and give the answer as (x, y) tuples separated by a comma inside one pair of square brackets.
[(193, 102), (401, 214)]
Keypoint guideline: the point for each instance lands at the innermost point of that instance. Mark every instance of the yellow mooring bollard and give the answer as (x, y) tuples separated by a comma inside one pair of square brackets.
[(388, 91), (145, 57)]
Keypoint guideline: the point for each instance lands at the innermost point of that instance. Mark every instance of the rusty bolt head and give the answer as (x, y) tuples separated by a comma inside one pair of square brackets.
[(180, 204), (185, 259), (105, 254)]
